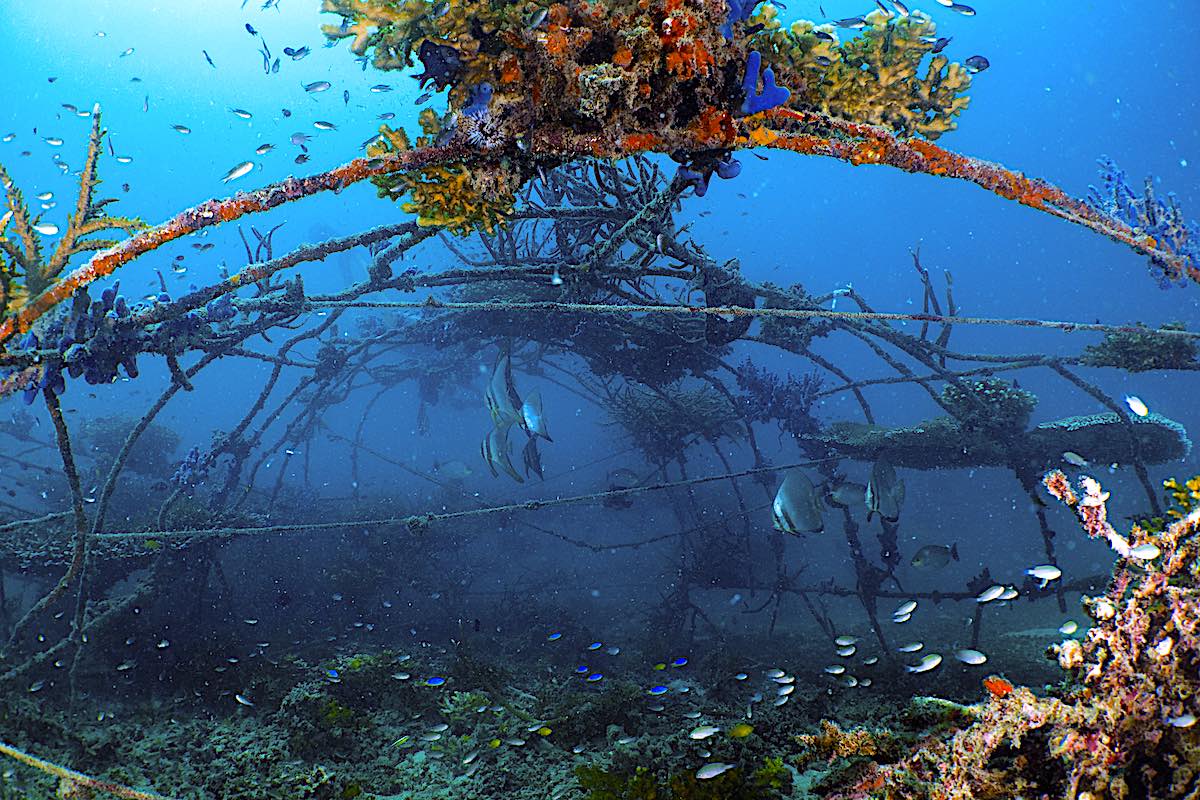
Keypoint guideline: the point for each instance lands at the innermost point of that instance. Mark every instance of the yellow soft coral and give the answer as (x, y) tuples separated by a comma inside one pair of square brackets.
[(448, 196), (25, 270), (874, 78), (363, 18)]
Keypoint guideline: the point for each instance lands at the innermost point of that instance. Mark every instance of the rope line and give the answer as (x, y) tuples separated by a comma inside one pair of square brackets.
[(418, 522), (432, 303)]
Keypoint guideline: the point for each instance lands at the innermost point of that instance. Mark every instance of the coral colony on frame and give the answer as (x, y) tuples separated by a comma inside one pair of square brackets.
[(572, 134)]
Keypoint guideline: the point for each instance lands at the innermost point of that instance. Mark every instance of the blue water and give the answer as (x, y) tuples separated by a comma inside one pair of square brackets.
[(1069, 82)]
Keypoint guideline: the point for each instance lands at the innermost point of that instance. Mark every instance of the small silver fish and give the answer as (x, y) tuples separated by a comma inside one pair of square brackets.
[(46, 228), (911, 647), (379, 88), (128, 52), (703, 732), (241, 112), (317, 86), (263, 149), (989, 594), (238, 171), (243, 700), (181, 128), (929, 662), (322, 125), (712, 770), (1145, 552), (907, 607), (1074, 459), (1045, 573), (971, 657)]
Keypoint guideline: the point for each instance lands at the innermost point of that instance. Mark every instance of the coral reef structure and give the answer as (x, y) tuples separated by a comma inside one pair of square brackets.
[(1124, 726)]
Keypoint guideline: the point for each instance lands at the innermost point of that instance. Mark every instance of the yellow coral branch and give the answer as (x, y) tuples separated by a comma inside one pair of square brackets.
[(88, 218), (22, 226)]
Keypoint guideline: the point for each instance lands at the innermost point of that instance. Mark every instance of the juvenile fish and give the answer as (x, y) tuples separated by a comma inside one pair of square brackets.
[(712, 770), (971, 657), (929, 662), (978, 64), (1135, 404), (989, 594), (241, 112), (238, 171), (1045, 573), (317, 86)]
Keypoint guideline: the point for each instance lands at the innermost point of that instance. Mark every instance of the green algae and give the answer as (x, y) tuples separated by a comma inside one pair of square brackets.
[(1143, 350), (771, 781)]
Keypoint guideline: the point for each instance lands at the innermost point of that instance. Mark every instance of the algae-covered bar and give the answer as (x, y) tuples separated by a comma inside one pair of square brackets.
[(944, 442)]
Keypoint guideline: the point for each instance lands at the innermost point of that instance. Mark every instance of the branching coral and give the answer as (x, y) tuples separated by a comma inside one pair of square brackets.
[(767, 397), (833, 742), (990, 403), (876, 78), (1142, 350), (661, 424), (1152, 216), (23, 269)]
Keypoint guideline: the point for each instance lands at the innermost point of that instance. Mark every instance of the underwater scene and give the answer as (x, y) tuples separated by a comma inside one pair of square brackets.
[(600, 400)]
